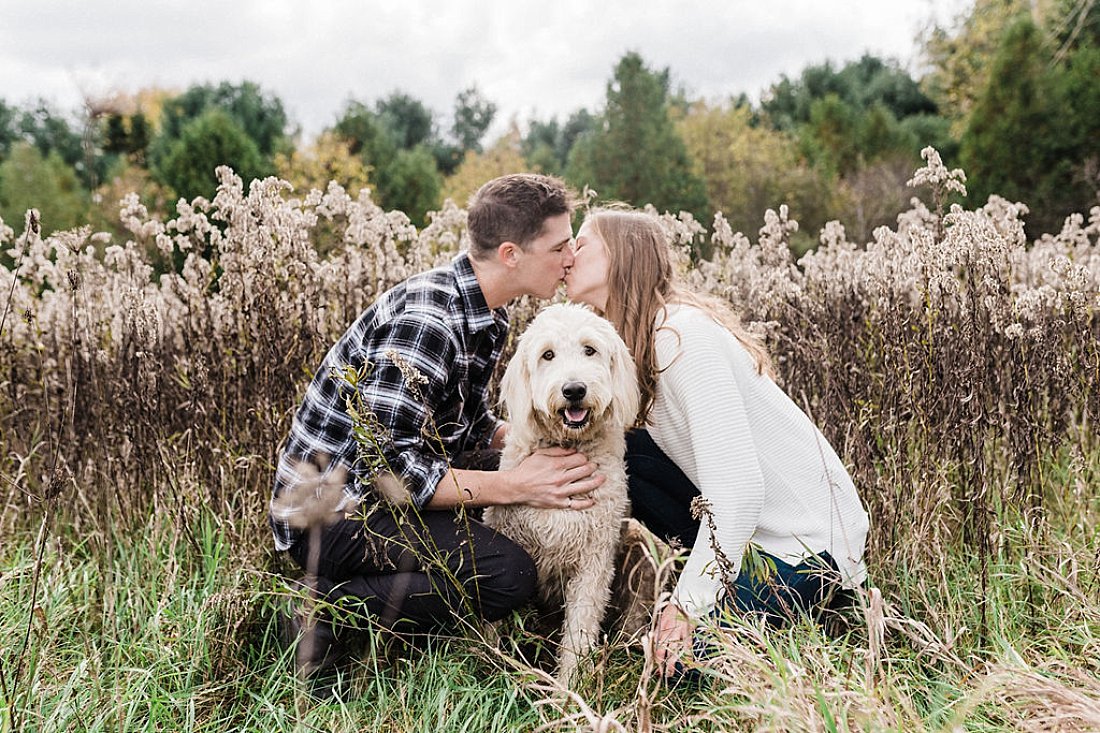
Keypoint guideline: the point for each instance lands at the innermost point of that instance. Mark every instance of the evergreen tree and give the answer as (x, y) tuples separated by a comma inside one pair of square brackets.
[(960, 56), (403, 179), (412, 184), (830, 137), (547, 145), (472, 116), (127, 135), (406, 120), (634, 153), (1034, 133), (211, 140), (862, 85), (1078, 95), (1007, 144), (259, 116), (539, 146)]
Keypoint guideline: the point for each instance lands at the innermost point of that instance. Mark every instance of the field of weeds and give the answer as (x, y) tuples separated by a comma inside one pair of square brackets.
[(146, 386)]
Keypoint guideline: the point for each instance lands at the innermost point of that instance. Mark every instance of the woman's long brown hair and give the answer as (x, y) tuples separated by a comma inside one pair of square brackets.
[(641, 282)]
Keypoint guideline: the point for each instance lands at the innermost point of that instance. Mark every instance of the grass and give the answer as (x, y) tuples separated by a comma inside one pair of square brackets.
[(954, 367), (157, 629)]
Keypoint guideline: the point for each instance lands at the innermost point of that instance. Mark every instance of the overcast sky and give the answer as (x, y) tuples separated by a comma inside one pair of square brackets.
[(531, 58)]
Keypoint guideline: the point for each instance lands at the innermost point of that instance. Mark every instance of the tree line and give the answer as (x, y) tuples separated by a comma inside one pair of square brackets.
[(1010, 93)]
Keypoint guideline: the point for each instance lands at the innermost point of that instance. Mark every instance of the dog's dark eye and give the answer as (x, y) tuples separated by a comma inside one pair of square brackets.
[(548, 355), (589, 351)]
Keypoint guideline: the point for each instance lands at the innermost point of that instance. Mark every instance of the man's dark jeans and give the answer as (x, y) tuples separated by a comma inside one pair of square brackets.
[(418, 571)]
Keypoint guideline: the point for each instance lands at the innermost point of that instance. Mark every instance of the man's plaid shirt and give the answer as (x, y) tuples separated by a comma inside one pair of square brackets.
[(439, 324)]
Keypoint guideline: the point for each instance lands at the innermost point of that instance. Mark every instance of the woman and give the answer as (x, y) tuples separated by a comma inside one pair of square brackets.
[(717, 425)]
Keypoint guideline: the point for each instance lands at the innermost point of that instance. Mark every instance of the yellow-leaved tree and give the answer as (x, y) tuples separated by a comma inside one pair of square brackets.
[(503, 157), (328, 158), (749, 168)]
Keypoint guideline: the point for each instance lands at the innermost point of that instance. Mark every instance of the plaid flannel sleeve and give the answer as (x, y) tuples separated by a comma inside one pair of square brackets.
[(411, 360)]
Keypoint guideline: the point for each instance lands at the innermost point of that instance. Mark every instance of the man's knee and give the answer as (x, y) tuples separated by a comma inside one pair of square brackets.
[(507, 583)]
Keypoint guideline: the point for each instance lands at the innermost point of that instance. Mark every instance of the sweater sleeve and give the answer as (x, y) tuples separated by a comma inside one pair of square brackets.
[(716, 438)]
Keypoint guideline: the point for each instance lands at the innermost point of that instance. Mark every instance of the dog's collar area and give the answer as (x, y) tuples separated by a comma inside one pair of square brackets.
[(577, 445)]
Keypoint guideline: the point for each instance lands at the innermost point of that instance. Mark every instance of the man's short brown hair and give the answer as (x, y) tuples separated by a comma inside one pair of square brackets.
[(513, 208)]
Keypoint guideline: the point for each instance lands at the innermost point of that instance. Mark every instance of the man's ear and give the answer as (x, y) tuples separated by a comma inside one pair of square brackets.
[(508, 254)]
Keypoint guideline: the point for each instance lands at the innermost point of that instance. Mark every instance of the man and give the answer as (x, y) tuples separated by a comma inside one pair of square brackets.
[(421, 358)]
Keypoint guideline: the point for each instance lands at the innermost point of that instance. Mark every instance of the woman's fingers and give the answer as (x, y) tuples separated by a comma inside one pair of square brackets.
[(673, 636)]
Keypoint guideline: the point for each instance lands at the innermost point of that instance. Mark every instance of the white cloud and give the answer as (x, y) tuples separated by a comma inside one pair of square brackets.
[(530, 58)]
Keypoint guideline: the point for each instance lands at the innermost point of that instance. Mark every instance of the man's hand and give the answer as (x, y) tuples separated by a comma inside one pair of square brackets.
[(672, 639), (555, 478), (551, 478)]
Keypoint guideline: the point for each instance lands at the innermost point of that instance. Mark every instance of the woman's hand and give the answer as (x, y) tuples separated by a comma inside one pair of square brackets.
[(672, 639)]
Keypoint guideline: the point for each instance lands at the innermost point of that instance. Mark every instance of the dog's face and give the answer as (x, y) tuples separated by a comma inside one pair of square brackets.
[(571, 375)]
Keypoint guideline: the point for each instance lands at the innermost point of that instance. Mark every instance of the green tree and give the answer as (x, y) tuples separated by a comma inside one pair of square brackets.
[(959, 55), (864, 84), (365, 134), (407, 121), (405, 179), (1006, 143), (413, 184), (831, 135), (1033, 130), (1078, 97), (211, 140), (539, 146), (9, 133), (473, 114), (547, 145), (258, 115), (924, 130), (29, 180), (53, 132), (127, 135), (787, 104), (634, 153)]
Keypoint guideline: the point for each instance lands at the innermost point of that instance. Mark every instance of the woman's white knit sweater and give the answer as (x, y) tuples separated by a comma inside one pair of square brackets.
[(769, 474)]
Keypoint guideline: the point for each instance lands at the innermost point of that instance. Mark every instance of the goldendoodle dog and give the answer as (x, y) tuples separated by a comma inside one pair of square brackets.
[(571, 383)]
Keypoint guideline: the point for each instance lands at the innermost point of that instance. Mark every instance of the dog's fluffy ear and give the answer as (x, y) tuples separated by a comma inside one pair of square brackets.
[(624, 381), (515, 388)]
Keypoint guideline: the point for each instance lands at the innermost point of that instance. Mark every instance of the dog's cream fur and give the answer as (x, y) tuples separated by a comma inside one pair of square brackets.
[(574, 550)]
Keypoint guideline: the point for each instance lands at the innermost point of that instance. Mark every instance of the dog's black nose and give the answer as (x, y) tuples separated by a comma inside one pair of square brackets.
[(574, 391)]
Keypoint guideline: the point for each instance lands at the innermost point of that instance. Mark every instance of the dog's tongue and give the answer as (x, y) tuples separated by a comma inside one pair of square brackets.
[(574, 415)]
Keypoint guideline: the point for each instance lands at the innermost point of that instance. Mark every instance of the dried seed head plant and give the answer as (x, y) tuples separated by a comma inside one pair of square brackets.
[(949, 360)]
